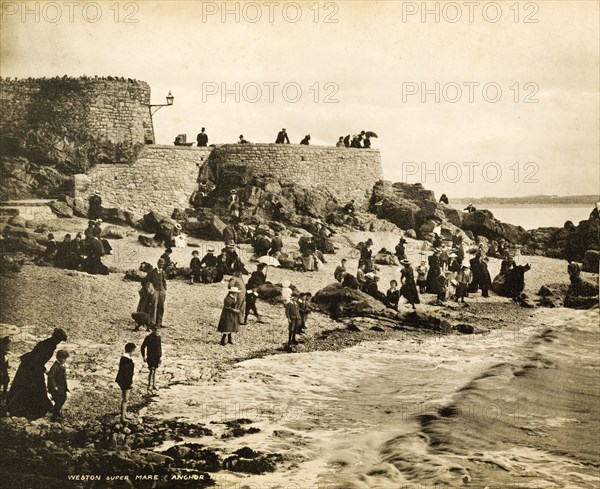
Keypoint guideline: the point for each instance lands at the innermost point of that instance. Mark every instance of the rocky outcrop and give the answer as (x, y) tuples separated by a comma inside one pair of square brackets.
[(569, 242), (583, 294), (591, 261), (398, 203), (483, 223)]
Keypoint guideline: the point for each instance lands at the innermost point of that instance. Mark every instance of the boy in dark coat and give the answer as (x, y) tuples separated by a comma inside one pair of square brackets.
[(125, 378), (57, 383), (196, 267), (151, 351), (304, 308), (292, 313), (251, 296)]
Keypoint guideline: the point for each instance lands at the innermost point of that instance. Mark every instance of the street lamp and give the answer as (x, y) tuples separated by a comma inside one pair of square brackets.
[(153, 108)]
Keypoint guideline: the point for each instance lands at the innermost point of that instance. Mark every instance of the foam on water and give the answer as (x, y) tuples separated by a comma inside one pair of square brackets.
[(503, 410)]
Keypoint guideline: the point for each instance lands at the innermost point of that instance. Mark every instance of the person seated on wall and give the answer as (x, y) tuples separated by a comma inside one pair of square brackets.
[(340, 143), (367, 142), (306, 140), (242, 140)]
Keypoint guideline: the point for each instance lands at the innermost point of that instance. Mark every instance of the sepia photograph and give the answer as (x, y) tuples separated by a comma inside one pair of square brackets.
[(312, 244)]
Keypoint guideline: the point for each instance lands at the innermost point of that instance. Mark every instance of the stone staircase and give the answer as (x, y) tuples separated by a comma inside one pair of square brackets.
[(30, 210)]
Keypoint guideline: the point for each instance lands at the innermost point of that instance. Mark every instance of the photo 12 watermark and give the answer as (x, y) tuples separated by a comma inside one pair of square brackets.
[(469, 91), (270, 92), (470, 12), (70, 12), (270, 12), (469, 172)]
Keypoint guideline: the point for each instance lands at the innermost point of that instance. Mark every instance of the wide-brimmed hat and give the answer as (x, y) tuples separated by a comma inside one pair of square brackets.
[(437, 250), (233, 191), (404, 262), (453, 255), (234, 289), (210, 249), (370, 275), (369, 241), (230, 244), (98, 221), (466, 265), (178, 226)]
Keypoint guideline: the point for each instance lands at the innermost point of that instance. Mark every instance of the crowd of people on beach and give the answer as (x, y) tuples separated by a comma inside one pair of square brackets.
[(84, 252)]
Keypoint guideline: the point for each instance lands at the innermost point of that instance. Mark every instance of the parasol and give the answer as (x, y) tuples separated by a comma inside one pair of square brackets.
[(370, 134), (269, 260)]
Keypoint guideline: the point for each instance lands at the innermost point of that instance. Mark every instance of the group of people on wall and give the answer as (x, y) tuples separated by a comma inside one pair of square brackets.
[(360, 140)]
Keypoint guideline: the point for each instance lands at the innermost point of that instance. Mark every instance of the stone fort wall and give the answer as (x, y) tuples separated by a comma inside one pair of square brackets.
[(162, 178), (79, 111)]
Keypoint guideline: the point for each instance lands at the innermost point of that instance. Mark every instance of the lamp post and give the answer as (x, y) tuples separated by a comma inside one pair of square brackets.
[(153, 108)]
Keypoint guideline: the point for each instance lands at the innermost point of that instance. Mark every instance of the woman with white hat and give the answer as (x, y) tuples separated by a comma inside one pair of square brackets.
[(229, 322)]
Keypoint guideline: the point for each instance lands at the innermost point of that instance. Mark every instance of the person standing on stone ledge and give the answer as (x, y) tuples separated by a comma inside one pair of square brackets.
[(95, 209), (306, 140), (282, 137), (202, 139)]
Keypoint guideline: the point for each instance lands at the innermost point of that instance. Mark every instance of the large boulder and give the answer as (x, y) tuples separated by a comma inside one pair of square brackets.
[(206, 225), (81, 207), (591, 261), (61, 209), (342, 301), (483, 223), (151, 222)]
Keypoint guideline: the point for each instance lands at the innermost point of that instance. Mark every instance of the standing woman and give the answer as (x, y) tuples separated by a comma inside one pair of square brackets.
[(230, 316), (409, 287), (28, 396), (433, 272), (238, 282)]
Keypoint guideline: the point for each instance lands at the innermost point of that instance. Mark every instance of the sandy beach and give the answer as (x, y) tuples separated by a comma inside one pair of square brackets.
[(351, 409)]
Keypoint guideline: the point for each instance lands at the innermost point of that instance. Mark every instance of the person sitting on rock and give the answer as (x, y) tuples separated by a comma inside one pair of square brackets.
[(258, 277), (305, 140), (574, 271), (507, 263), (444, 199), (64, 249), (97, 233), (470, 208), (277, 209), (276, 245), (48, 255), (360, 275), (393, 295), (338, 274), (208, 266), (349, 208), (262, 245), (371, 288), (169, 267), (350, 281)]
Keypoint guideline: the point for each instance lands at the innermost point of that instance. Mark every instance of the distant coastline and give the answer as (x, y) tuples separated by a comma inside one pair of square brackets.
[(530, 199)]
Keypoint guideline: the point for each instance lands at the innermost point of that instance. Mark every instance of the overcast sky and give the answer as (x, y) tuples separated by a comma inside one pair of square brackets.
[(358, 66)]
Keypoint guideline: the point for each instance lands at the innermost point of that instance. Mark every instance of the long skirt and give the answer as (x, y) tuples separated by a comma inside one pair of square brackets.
[(410, 293)]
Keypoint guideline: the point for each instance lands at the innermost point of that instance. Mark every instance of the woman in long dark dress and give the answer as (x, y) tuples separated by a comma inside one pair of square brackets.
[(229, 322), (409, 287), (27, 396), (433, 272)]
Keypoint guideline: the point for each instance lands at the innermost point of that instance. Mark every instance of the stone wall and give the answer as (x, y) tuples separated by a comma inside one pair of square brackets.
[(161, 178), (164, 177), (348, 173), (90, 120)]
